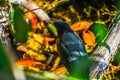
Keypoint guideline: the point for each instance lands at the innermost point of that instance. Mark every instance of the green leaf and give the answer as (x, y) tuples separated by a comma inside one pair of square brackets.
[(6, 72), (100, 31), (117, 4), (53, 29), (117, 58), (20, 26)]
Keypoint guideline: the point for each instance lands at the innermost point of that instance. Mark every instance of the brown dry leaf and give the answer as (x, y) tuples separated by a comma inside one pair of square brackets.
[(88, 38), (81, 25)]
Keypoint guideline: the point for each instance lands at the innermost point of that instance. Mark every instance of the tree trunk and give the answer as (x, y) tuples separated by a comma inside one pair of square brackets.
[(104, 54)]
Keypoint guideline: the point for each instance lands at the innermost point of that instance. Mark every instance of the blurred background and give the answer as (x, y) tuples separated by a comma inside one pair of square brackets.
[(29, 43)]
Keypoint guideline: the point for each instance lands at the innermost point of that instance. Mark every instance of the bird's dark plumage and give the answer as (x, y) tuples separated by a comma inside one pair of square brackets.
[(72, 51)]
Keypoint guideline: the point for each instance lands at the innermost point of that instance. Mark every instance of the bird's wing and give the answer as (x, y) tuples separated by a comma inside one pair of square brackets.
[(71, 46)]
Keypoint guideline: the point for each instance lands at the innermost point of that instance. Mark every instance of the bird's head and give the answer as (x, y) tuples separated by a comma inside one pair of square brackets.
[(62, 27)]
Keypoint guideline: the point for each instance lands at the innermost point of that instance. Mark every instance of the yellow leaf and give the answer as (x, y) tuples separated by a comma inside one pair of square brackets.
[(30, 42), (36, 56), (38, 38), (56, 63)]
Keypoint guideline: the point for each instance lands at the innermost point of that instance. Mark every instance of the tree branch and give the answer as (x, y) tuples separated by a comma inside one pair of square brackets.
[(32, 6), (104, 54)]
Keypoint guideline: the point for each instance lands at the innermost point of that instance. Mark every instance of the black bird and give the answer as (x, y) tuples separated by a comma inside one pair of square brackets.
[(72, 51)]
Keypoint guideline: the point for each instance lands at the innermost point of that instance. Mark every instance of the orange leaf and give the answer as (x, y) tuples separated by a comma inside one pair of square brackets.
[(49, 39), (88, 37), (22, 48), (27, 63), (42, 24), (81, 25), (30, 63), (32, 17), (61, 70)]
